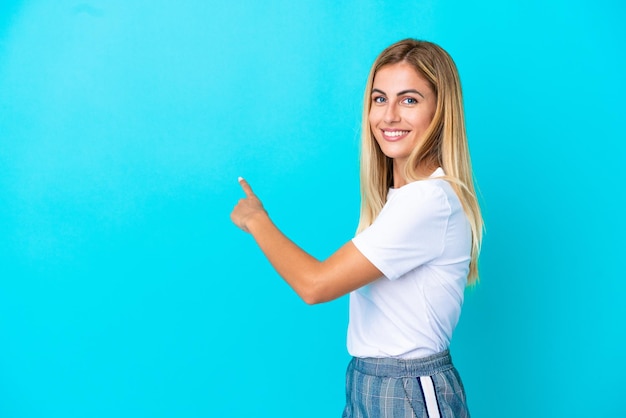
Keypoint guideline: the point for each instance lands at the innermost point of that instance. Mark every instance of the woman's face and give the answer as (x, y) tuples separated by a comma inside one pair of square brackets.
[(403, 105)]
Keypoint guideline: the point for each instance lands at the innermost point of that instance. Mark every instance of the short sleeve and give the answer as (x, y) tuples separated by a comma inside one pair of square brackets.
[(409, 231)]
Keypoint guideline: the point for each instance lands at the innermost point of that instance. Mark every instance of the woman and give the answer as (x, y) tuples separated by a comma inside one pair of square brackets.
[(416, 246)]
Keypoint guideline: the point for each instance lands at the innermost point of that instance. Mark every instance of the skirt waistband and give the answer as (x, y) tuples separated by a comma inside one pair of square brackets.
[(397, 367)]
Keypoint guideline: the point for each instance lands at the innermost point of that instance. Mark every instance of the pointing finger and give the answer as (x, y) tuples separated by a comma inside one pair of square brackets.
[(246, 187)]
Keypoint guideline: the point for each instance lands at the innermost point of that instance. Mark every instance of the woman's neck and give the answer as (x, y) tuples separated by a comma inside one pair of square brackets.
[(422, 170)]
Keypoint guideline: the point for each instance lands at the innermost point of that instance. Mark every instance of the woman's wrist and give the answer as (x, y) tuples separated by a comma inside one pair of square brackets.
[(256, 219)]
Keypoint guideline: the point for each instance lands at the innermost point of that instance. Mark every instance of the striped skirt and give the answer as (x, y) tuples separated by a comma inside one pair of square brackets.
[(396, 388)]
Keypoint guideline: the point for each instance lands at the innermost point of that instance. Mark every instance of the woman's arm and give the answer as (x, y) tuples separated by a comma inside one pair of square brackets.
[(313, 280)]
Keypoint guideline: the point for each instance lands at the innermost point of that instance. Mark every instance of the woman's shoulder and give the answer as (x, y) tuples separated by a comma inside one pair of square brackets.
[(430, 187), (433, 192)]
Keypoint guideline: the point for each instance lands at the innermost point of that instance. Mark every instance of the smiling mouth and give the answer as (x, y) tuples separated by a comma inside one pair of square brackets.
[(394, 134)]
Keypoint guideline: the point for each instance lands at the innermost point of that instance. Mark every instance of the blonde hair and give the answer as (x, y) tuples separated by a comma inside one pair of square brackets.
[(444, 143)]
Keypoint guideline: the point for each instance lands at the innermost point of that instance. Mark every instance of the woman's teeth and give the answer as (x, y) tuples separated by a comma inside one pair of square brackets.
[(395, 133)]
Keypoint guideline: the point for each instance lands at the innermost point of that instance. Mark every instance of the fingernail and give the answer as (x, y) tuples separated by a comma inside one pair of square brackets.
[(239, 179)]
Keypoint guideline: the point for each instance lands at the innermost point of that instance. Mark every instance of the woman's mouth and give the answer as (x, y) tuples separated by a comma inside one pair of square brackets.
[(394, 135)]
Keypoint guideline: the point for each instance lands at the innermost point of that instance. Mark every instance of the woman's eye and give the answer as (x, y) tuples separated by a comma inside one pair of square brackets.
[(378, 99), (410, 100)]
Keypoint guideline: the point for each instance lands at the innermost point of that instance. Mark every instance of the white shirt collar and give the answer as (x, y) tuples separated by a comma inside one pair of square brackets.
[(437, 173)]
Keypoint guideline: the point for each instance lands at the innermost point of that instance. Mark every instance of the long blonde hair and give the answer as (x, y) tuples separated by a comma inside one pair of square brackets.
[(444, 143)]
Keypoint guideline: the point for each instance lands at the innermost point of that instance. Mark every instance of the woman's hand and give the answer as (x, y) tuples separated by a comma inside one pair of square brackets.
[(247, 208)]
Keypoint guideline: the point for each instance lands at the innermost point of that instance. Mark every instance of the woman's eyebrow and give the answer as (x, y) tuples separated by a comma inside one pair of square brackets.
[(400, 93), (410, 91)]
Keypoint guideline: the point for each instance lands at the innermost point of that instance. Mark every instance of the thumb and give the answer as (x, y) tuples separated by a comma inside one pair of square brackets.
[(246, 187)]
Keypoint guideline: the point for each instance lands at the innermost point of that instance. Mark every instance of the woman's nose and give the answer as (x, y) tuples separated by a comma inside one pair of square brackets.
[(392, 114)]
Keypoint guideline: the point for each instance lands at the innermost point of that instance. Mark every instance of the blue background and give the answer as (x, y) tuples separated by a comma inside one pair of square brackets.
[(125, 290)]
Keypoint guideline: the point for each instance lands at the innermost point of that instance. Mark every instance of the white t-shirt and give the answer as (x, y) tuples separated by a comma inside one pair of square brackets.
[(421, 242)]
